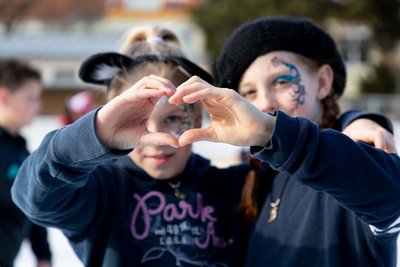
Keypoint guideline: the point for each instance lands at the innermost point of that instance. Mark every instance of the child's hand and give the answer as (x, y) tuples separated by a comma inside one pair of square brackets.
[(122, 122), (234, 120), (370, 132)]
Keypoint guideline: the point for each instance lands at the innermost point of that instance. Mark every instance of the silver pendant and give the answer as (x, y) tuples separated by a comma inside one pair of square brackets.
[(274, 210), (178, 193)]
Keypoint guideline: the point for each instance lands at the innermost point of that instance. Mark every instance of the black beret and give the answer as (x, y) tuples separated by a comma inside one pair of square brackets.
[(278, 33)]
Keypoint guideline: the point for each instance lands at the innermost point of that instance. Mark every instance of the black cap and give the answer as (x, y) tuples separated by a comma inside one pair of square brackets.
[(278, 33)]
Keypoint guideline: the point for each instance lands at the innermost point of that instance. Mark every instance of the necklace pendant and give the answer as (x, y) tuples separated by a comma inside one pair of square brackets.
[(272, 214), (274, 211), (179, 194)]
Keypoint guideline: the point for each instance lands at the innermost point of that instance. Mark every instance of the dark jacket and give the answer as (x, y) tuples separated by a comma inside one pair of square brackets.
[(339, 201), (14, 226)]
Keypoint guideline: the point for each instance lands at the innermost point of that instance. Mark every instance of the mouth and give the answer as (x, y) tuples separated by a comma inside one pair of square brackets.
[(160, 159)]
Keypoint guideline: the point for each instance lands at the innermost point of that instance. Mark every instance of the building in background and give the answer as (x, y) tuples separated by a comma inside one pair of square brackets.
[(56, 36), (354, 41)]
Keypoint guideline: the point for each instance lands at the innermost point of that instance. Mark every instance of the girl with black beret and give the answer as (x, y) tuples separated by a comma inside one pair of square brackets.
[(318, 198)]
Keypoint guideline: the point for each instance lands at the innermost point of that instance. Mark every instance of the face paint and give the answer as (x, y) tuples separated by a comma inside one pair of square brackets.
[(186, 123), (175, 122), (292, 79)]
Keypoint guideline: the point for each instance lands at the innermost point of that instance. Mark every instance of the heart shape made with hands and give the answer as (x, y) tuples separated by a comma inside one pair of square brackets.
[(174, 120), (234, 120)]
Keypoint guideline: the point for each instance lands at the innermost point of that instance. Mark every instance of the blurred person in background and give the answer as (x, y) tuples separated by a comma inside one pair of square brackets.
[(20, 92), (76, 106)]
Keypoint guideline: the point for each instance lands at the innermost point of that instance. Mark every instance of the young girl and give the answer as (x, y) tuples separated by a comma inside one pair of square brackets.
[(162, 205), (329, 201)]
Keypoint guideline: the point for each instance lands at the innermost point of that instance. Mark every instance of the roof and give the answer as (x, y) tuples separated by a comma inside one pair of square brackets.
[(57, 45)]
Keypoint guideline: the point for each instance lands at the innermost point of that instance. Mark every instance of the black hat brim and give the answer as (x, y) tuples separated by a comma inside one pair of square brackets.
[(101, 68)]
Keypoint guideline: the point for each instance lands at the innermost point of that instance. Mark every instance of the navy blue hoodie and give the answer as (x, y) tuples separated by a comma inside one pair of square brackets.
[(114, 214), (339, 201)]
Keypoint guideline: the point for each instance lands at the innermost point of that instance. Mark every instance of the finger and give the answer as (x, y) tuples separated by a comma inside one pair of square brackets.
[(153, 94), (150, 93), (192, 85), (228, 96), (202, 95), (153, 83), (127, 98), (379, 141), (164, 80), (191, 80), (194, 135), (195, 92), (384, 140), (393, 149), (389, 145)]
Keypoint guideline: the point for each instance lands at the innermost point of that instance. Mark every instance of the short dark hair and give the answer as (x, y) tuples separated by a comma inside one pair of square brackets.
[(13, 73)]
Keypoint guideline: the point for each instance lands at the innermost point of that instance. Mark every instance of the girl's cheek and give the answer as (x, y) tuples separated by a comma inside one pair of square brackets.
[(288, 104)]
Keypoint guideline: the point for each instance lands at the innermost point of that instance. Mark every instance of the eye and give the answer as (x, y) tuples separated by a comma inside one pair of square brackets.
[(249, 94), (172, 119), (283, 81)]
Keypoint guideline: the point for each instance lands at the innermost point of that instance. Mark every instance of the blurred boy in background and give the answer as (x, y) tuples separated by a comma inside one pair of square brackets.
[(20, 91)]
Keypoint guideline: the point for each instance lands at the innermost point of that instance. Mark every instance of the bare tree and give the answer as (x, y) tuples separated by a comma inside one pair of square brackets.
[(11, 11)]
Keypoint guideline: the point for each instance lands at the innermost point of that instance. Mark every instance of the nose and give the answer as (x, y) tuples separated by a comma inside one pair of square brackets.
[(266, 101)]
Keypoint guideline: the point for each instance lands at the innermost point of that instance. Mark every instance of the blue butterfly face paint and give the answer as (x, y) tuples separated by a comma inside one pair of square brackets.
[(290, 77)]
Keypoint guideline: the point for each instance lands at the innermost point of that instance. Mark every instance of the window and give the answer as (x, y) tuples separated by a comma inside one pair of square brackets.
[(145, 5), (64, 77), (354, 50)]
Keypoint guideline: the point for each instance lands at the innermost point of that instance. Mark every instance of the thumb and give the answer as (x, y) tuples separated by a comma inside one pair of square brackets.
[(194, 135)]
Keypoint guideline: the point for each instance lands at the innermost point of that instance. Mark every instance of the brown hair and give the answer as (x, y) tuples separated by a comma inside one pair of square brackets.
[(14, 73)]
